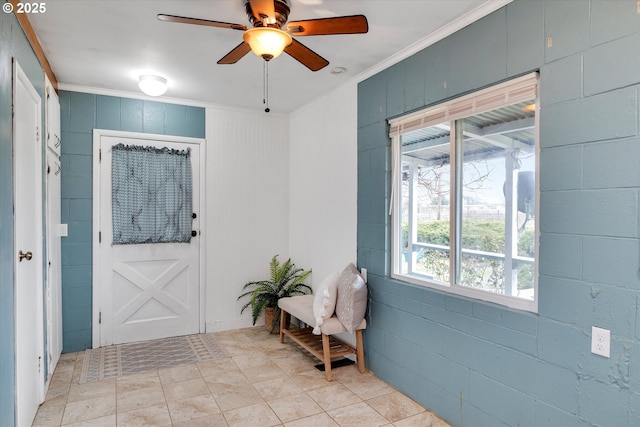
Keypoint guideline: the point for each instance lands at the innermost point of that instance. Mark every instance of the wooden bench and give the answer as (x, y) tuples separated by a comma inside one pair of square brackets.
[(325, 346)]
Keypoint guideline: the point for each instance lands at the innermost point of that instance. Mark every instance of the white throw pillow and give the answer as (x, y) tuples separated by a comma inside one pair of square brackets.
[(352, 298), (324, 300)]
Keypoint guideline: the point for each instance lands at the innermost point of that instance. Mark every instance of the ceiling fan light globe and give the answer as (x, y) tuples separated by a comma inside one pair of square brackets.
[(267, 42), (152, 85)]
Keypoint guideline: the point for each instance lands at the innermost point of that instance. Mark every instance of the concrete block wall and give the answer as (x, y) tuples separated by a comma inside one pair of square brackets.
[(480, 364), (80, 114)]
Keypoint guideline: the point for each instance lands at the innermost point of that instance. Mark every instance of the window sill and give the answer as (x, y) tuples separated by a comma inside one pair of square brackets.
[(507, 301)]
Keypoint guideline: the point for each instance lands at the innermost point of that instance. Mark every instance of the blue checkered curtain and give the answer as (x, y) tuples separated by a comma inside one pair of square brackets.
[(151, 195)]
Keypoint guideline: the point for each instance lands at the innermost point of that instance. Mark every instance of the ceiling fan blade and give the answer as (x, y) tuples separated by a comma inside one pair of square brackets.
[(236, 54), (198, 21), (263, 9), (306, 56), (355, 24)]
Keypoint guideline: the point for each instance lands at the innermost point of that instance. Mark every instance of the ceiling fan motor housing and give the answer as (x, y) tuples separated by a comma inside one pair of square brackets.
[(281, 14)]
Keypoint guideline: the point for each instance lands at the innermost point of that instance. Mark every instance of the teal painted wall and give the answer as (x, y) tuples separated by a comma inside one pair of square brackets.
[(13, 43), (479, 364), (80, 114)]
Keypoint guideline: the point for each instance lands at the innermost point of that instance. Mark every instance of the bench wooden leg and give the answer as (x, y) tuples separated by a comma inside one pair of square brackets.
[(360, 351), (283, 324), (326, 349)]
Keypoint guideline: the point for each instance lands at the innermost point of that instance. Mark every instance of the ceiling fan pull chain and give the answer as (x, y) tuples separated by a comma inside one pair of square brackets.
[(265, 81)]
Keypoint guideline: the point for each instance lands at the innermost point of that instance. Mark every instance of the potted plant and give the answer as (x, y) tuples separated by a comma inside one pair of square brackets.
[(286, 280)]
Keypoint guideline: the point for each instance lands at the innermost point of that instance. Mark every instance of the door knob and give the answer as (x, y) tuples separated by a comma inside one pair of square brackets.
[(194, 233), (21, 255)]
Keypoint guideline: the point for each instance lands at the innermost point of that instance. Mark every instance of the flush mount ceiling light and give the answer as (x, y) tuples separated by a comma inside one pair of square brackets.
[(267, 42), (152, 85)]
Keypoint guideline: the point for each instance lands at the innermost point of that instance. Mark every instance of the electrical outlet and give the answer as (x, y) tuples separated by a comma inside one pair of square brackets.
[(600, 341)]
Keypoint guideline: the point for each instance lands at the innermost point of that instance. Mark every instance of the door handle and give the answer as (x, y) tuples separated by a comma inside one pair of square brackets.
[(21, 255)]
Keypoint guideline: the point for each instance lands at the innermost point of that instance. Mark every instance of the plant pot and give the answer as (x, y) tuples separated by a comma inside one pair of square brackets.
[(269, 318)]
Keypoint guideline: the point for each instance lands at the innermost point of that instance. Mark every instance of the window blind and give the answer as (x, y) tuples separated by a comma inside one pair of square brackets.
[(513, 91)]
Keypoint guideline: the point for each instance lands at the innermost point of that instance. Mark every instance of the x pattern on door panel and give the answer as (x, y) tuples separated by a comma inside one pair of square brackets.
[(142, 294)]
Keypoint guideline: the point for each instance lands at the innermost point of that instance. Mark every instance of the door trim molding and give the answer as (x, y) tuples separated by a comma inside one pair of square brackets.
[(97, 136)]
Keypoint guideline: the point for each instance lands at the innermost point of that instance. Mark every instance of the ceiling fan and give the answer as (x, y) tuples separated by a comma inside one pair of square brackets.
[(271, 34)]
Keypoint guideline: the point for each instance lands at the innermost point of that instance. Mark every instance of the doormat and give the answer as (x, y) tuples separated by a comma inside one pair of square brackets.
[(336, 364), (126, 359)]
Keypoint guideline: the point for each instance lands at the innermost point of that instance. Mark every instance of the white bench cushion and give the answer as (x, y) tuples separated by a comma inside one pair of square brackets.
[(301, 307)]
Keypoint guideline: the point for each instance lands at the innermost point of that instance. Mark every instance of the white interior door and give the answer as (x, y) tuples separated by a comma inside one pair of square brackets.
[(27, 175), (146, 291)]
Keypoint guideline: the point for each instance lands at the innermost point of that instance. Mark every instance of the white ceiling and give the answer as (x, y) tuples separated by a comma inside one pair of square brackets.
[(106, 45)]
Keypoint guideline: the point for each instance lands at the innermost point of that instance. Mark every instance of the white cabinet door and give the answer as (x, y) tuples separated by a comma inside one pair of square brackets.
[(54, 263), (53, 286)]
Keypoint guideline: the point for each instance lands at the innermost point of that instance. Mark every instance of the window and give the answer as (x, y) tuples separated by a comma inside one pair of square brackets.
[(464, 195)]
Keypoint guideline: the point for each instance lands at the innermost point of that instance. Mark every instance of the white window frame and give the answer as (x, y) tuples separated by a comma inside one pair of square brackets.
[(521, 89)]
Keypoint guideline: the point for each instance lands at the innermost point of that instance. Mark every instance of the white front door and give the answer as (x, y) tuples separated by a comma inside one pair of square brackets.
[(29, 254), (145, 291)]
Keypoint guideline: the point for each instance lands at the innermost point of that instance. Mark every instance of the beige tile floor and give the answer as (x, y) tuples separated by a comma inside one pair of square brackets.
[(263, 383)]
